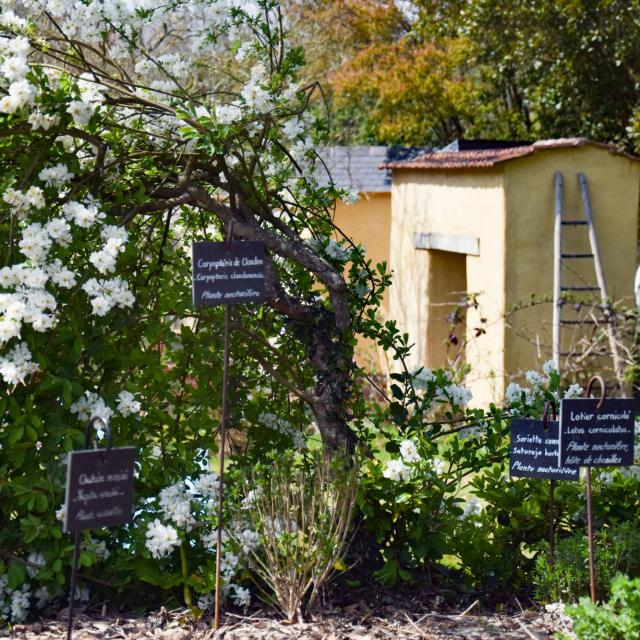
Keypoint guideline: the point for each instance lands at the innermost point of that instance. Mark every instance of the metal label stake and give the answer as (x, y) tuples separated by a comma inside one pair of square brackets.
[(223, 440), (77, 536), (226, 273), (550, 407), (110, 472), (592, 555)]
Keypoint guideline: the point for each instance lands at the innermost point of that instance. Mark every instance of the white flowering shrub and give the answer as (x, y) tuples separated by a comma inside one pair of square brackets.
[(119, 147), (436, 494)]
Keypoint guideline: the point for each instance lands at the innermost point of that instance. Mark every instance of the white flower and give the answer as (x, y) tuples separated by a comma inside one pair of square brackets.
[(228, 113), (100, 306), (574, 391), (396, 470), (42, 596), (161, 539), (248, 540), (458, 395), (91, 405), (335, 251), (80, 111), (20, 603), (127, 404), (61, 276), (42, 121), (177, 506), (514, 393), (409, 452), (82, 215), (241, 597), (9, 329), (55, 176), (423, 378), (350, 197), (438, 466), (35, 242), (207, 486), (35, 197), (549, 367), (59, 231), (538, 381), (14, 68), (34, 558), (16, 365)]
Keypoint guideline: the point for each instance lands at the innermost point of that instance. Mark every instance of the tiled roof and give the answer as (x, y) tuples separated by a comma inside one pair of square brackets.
[(363, 168), (479, 158)]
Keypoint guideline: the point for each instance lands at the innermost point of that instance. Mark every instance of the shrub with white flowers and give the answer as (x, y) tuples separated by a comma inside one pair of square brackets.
[(120, 148)]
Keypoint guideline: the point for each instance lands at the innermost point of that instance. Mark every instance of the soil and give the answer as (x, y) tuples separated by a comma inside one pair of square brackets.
[(364, 620)]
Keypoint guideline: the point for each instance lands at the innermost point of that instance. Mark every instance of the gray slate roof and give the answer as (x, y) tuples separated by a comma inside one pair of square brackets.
[(358, 167)]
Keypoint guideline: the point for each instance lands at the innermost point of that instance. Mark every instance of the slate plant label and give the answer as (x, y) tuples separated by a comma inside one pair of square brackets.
[(533, 452), (592, 437), (99, 488), (228, 272)]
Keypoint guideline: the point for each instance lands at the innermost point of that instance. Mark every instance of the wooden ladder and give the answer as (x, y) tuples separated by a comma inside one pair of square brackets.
[(559, 289)]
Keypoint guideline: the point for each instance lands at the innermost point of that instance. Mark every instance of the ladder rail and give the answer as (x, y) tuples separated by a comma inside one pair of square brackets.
[(557, 270), (618, 363)]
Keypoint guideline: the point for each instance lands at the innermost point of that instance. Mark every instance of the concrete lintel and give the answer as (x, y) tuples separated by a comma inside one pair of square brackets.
[(447, 242)]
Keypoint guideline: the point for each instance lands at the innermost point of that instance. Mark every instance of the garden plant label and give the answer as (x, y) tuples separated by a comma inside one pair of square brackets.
[(99, 488), (228, 272), (533, 452), (592, 437)]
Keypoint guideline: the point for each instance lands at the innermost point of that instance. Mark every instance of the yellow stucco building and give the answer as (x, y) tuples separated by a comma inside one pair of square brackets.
[(478, 218)]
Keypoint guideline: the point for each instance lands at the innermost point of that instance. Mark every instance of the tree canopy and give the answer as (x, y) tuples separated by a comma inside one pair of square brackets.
[(479, 68)]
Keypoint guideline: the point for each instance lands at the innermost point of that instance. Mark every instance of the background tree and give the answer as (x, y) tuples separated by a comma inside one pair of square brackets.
[(511, 69)]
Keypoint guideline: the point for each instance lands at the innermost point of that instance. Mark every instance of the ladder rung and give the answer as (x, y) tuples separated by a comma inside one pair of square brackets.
[(577, 255), (596, 322), (574, 223), (577, 354), (580, 288)]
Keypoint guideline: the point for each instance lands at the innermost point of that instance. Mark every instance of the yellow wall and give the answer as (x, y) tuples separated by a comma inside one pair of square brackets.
[(368, 221), (456, 203), (530, 194)]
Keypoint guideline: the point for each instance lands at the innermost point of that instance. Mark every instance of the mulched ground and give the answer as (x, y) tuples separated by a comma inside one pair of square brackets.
[(354, 622)]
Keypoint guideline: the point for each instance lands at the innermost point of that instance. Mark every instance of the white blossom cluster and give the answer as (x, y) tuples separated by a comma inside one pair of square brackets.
[(15, 604), (186, 504), (285, 427), (14, 69), (329, 247), (27, 289), (456, 394), (175, 503), (397, 470), (515, 393), (24, 296), (401, 469), (161, 539), (16, 364), (574, 391), (422, 378), (472, 507), (91, 405)]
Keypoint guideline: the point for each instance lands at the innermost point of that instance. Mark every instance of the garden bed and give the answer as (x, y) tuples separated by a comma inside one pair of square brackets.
[(361, 621)]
